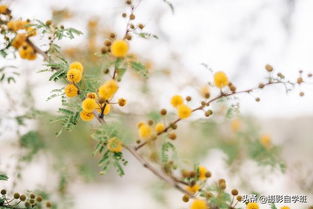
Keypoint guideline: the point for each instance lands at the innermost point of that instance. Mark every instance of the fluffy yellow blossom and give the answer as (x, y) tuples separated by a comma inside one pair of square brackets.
[(119, 48), (183, 111), (31, 31), (285, 207), (86, 116), (74, 75), (89, 105), (108, 89), (71, 90), (266, 141), (159, 127), (252, 205), (16, 25), (177, 100), (115, 145), (4, 9), (77, 65), (27, 52), (199, 204), (144, 131), (235, 125), (19, 40), (220, 79), (193, 189), (202, 173)]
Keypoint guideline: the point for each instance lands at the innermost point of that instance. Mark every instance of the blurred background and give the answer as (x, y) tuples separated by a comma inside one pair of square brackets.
[(238, 37)]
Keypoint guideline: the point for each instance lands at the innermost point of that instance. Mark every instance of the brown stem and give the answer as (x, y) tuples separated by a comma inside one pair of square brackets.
[(201, 107), (38, 50)]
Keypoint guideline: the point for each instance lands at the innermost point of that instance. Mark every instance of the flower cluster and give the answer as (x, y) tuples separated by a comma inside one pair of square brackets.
[(22, 31)]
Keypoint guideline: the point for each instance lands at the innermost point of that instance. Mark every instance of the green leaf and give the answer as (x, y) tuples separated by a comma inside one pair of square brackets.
[(3, 177), (166, 147), (139, 68)]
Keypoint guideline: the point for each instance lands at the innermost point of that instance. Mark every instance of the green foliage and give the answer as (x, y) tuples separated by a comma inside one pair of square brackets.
[(273, 206), (139, 68), (3, 177), (108, 158), (32, 142), (68, 119), (221, 199), (8, 76), (166, 148)]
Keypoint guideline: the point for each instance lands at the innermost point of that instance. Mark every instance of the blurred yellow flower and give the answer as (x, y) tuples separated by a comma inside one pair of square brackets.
[(144, 131), (193, 189), (266, 141), (159, 127), (115, 145), (77, 65), (119, 48), (108, 89), (183, 111), (4, 9), (71, 90), (86, 116), (27, 52), (74, 75), (18, 41), (199, 204), (177, 100), (202, 173), (220, 79), (89, 105), (235, 125), (252, 205), (285, 207)]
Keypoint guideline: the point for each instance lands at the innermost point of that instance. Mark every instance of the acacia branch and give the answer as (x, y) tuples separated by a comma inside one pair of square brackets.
[(201, 107)]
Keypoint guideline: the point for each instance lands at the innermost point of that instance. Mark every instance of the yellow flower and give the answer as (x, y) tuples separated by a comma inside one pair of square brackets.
[(144, 131), (285, 207), (220, 79), (115, 145), (193, 189), (16, 25), (89, 105), (183, 111), (27, 52), (77, 65), (86, 116), (266, 141), (4, 9), (235, 125), (205, 91), (71, 90), (202, 173), (19, 40), (159, 127), (107, 109), (199, 204), (119, 48), (177, 100), (31, 31), (108, 89), (74, 75), (252, 205)]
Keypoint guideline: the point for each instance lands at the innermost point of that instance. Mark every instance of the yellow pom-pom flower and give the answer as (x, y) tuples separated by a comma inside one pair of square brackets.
[(89, 105), (19, 40), (285, 207), (86, 116), (252, 205), (193, 189), (202, 173), (77, 65), (27, 52), (266, 141), (144, 131), (199, 204), (159, 127), (177, 100), (74, 75), (183, 111), (115, 145), (108, 89), (4, 9), (220, 79), (71, 90), (119, 48)]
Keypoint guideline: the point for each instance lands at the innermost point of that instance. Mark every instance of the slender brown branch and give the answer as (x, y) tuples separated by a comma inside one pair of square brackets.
[(201, 107), (38, 50)]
